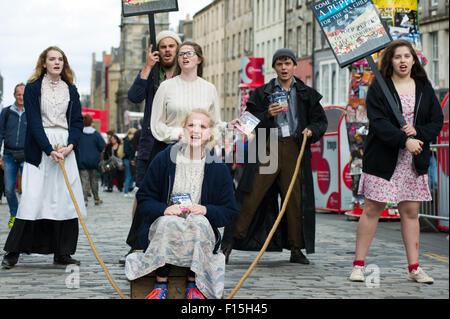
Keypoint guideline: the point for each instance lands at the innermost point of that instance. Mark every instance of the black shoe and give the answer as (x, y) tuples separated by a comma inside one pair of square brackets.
[(10, 260), (298, 257), (65, 260), (227, 251)]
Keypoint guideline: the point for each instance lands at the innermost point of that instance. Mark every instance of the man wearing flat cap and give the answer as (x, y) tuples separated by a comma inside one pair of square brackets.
[(144, 88), (290, 109)]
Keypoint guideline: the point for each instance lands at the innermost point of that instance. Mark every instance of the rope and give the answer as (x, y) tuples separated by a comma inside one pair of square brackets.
[(277, 222), (80, 218)]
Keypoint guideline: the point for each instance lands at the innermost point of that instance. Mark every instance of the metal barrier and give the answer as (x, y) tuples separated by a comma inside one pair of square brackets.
[(438, 207)]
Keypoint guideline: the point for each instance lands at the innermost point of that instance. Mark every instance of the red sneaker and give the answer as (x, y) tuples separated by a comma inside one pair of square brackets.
[(159, 292), (192, 292)]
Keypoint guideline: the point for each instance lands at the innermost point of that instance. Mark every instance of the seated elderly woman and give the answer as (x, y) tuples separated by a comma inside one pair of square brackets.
[(185, 196)]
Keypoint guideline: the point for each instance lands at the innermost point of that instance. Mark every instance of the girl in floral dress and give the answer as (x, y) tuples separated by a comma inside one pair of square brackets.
[(396, 159)]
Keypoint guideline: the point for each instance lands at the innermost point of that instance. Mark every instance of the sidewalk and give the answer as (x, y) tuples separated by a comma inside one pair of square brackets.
[(35, 276)]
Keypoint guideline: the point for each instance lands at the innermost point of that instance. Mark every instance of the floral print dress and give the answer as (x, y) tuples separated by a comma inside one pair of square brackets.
[(405, 184)]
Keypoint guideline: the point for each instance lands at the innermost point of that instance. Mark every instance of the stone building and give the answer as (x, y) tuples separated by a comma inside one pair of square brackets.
[(134, 42), (104, 85), (224, 29), (299, 37), (433, 28), (209, 32), (269, 29)]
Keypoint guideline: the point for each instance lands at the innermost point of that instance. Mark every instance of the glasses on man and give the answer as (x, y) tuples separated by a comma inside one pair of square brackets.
[(189, 54)]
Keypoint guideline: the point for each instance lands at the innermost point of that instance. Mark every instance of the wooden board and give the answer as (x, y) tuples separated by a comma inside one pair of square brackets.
[(176, 288)]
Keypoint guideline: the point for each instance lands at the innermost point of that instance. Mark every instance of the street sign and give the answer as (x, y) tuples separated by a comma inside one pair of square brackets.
[(138, 7), (352, 28)]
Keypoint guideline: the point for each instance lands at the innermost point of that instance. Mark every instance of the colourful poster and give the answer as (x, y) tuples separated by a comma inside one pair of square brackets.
[(353, 28), (138, 7)]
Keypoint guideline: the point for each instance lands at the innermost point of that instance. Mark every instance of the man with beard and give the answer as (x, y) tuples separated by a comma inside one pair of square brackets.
[(144, 88)]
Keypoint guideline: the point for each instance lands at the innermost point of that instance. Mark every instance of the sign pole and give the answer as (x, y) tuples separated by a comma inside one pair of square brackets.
[(152, 32), (387, 93)]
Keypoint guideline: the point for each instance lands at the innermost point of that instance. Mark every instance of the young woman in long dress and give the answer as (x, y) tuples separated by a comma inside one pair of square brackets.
[(47, 222)]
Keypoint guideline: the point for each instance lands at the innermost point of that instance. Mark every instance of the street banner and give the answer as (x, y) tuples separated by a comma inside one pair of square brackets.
[(352, 28), (138, 7)]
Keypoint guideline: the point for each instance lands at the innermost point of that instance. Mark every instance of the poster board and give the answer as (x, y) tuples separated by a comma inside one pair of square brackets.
[(353, 28), (139, 7)]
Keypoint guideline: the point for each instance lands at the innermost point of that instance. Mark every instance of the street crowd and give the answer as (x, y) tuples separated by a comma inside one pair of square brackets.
[(192, 207)]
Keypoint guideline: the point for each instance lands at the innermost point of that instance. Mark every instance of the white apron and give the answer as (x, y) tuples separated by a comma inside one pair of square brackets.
[(44, 191)]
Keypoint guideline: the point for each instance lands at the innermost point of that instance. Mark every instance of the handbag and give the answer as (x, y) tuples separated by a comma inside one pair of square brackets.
[(111, 164), (19, 157)]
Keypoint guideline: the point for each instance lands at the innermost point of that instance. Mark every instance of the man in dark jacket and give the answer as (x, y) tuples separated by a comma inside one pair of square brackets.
[(144, 88), (88, 157), (298, 113), (13, 126)]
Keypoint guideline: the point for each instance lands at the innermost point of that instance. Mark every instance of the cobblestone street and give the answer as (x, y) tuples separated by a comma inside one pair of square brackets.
[(274, 277)]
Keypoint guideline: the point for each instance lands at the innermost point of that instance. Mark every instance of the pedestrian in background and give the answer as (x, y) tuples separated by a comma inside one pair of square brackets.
[(47, 222), (128, 155), (13, 125), (89, 149), (144, 89), (114, 148), (396, 159)]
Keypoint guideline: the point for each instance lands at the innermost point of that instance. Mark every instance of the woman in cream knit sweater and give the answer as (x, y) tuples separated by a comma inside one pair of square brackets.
[(181, 94)]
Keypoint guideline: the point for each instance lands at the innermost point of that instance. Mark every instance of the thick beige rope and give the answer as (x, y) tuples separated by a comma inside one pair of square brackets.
[(277, 222), (80, 218)]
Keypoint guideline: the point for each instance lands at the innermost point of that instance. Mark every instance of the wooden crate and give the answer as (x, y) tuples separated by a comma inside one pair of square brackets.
[(141, 287)]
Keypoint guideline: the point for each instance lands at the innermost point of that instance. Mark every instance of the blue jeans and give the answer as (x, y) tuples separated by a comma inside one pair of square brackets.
[(128, 176), (11, 170)]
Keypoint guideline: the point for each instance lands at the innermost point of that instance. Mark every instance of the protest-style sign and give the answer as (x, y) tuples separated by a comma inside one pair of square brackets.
[(138, 7), (353, 28)]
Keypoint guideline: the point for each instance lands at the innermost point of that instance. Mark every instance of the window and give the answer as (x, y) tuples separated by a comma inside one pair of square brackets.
[(299, 41), (290, 36), (333, 83), (434, 59), (308, 39)]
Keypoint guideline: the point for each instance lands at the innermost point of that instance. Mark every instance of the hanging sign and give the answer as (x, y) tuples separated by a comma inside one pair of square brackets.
[(352, 28), (138, 7)]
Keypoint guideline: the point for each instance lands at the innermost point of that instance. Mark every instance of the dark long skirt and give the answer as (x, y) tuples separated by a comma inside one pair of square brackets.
[(43, 237)]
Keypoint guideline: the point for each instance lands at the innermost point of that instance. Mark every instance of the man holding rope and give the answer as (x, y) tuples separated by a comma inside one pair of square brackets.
[(288, 107)]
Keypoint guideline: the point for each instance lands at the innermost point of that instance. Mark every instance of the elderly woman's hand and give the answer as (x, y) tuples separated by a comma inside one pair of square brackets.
[(197, 209), (173, 210)]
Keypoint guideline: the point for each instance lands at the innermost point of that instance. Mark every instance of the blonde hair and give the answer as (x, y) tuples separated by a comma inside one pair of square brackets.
[(67, 74), (131, 131), (212, 123)]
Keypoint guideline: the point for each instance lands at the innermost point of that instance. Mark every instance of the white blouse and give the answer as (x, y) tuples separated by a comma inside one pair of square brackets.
[(54, 102), (174, 99), (189, 177)]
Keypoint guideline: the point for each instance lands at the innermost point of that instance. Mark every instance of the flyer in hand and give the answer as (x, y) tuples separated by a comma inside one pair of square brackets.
[(184, 200), (249, 122)]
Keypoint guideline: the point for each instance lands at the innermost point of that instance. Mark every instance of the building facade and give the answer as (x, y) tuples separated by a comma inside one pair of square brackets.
[(269, 25), (208, 31), (433, 28), (105, 84), (299, 37)]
